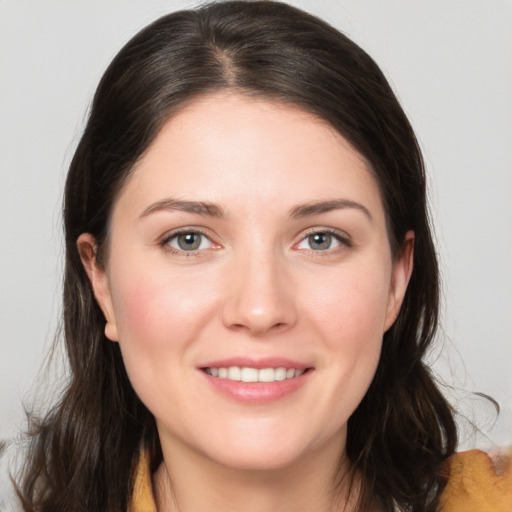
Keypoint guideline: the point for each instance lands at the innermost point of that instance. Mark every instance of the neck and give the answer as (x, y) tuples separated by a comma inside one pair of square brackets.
[(311, 483)]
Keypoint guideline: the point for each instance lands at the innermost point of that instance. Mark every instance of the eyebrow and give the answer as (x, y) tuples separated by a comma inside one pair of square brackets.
[(197, 207), (318, 207), (213, 210)]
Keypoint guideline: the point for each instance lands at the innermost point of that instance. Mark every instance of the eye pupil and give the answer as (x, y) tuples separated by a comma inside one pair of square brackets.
[(189, 241), (320, 241)]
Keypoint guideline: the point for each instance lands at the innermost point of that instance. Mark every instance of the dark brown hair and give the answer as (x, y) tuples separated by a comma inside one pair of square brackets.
[(403, 430)]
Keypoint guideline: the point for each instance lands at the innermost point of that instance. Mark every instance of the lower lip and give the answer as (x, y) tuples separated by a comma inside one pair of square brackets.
[(257, 392)]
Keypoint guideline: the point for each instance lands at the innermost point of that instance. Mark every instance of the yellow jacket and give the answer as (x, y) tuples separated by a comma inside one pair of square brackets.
[(475, 484)]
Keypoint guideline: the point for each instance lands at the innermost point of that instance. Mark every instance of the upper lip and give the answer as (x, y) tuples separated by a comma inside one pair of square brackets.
[(247, 362)]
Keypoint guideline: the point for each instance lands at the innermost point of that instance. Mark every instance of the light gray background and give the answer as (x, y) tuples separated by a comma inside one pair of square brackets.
[(450, 62)]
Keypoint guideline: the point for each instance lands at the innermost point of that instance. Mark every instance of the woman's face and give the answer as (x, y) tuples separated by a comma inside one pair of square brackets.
[(249, 243)]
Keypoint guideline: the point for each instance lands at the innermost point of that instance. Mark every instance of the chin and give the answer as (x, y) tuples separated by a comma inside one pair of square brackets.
[(257, 459), (260, 451)]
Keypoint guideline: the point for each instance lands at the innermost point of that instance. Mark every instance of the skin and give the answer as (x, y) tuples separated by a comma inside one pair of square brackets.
[(256, 287)]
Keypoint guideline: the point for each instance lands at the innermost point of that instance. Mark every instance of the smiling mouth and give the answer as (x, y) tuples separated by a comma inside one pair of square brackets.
[(247, 374)]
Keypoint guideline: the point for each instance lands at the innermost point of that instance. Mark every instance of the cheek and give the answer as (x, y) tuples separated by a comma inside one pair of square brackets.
[(158, 317), (351, 310), (145, 313), (346, 319), (350, 317), (156, 307)]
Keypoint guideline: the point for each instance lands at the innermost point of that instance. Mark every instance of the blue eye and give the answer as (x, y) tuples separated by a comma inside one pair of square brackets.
[(188, 241)]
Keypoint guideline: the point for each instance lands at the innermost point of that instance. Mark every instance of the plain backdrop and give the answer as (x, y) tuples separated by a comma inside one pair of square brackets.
[(450, 63)]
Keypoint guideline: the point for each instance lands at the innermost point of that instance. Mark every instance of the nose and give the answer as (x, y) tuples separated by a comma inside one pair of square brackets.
[(259, 295)]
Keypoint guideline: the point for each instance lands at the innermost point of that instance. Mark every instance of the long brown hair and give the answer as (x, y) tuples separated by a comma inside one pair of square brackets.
[(398, 438)]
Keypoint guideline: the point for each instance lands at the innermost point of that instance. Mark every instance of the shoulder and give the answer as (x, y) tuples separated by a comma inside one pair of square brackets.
[(478, 482)]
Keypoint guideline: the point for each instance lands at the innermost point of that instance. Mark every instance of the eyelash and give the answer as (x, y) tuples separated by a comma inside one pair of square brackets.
[(343, 239)]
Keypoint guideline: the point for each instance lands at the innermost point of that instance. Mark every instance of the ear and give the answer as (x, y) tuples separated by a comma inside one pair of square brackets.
[(401, 273), (97, 274)]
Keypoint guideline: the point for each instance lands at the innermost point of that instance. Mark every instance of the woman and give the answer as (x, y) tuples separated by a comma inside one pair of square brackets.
[(250, 281)]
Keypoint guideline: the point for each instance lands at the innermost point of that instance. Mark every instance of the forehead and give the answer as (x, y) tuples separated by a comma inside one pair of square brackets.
[(230, 148)]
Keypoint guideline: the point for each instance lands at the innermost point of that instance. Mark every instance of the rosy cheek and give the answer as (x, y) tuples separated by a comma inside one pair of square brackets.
[(151, 328), (158, 310), (137, 314)]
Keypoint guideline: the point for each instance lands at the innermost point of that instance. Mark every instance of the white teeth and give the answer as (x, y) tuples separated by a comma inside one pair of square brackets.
[(266, 375), (280, 374), (247, 374), (234, 373)]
